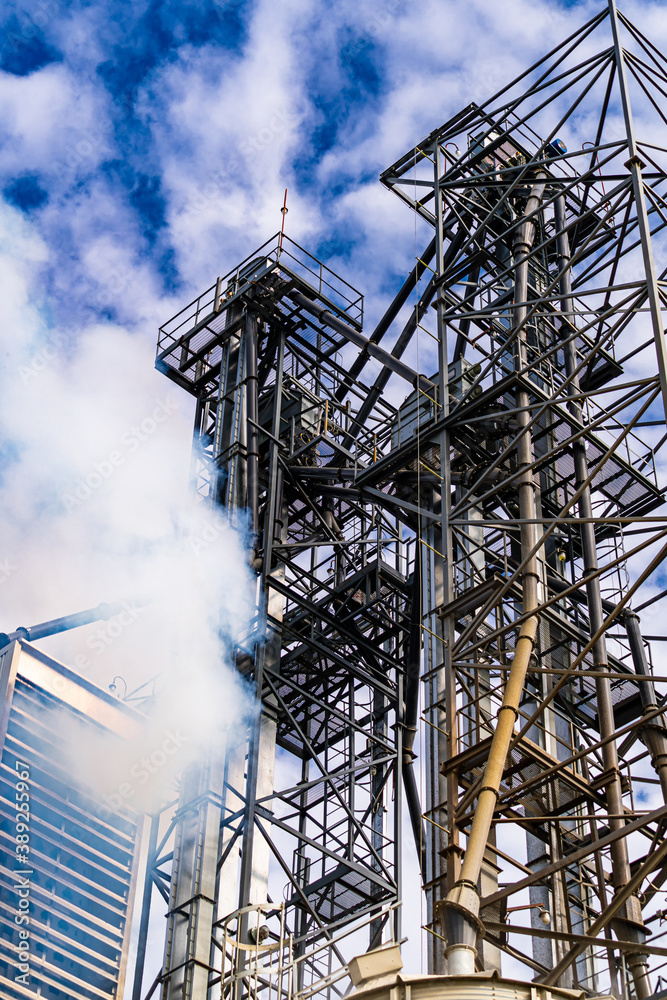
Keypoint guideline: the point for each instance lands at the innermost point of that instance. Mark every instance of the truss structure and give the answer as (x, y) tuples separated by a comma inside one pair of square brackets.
[(497, 534)]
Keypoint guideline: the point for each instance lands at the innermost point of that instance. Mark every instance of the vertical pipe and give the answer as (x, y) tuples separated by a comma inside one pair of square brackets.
[(398, 811), (653, 732), (261, 746), (302, 866), (145, 907), (379, 728), (411, 715), (197, 433), (254, 758), (634, 164), (445, 739), (461, 909), (194, 876), (274, 506), (252, 417), (619, 851)]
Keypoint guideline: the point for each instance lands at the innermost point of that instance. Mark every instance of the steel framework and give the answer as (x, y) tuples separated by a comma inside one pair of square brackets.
[(497, 534)]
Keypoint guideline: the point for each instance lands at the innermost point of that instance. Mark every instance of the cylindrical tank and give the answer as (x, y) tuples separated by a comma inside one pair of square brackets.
[(481, 986)]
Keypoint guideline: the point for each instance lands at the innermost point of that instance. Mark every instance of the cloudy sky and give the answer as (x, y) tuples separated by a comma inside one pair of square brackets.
[(144, 149), (147, 146)]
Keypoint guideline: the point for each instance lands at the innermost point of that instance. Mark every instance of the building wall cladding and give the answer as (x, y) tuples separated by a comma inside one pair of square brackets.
[(78, 872)]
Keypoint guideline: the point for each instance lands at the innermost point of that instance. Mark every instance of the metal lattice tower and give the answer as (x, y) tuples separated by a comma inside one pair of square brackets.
[(497, 534)]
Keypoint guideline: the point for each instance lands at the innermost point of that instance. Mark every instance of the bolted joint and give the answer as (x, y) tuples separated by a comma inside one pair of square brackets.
[(463, 896), (654, 737)]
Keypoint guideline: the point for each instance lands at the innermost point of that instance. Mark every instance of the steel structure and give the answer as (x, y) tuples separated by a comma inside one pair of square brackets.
[(497, 534), (309, 811)]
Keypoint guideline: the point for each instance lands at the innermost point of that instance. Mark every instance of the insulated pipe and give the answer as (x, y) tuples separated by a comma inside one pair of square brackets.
[(460, 910), (390, 315), (414, 810), (558, 585), (101, 613), (279, 520), (252, 417), (354, 337), (411, 716), (621, 872), (653, 733), (397, 351), (408, 330), (145, 907)]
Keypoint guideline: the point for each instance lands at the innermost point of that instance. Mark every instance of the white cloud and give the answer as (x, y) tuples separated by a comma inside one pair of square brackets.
[(95, 507), (57, 122)]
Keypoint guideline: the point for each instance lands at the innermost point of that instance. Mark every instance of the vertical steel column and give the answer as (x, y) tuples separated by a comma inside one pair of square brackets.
[(634, 163), (252, 419), (435, 841), (377, 800), (619, 851), (193, 885), (262, 745), (230, 844), (398, 811), (444, 843), (410, 715), (274, 508), (145, 906), (461, 910)]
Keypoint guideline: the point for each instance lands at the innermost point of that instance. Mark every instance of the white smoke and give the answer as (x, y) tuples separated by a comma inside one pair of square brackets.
[(96, 506)]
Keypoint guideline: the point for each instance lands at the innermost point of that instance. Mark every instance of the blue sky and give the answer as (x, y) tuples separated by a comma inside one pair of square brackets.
[(148, 144), (120, 119)]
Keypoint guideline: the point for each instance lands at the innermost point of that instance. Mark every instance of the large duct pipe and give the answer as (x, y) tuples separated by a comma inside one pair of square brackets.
[(354, 337), (101, 613), (390, 315), (631, 913), (653, 733), (460, 910), (411, 716)]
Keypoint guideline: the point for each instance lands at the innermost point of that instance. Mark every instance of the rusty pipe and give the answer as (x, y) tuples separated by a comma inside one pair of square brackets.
[(630, 914), (652, 733), (460, 910)]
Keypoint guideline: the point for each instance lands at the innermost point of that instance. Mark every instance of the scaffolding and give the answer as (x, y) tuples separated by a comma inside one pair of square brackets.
[(491, 540)]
